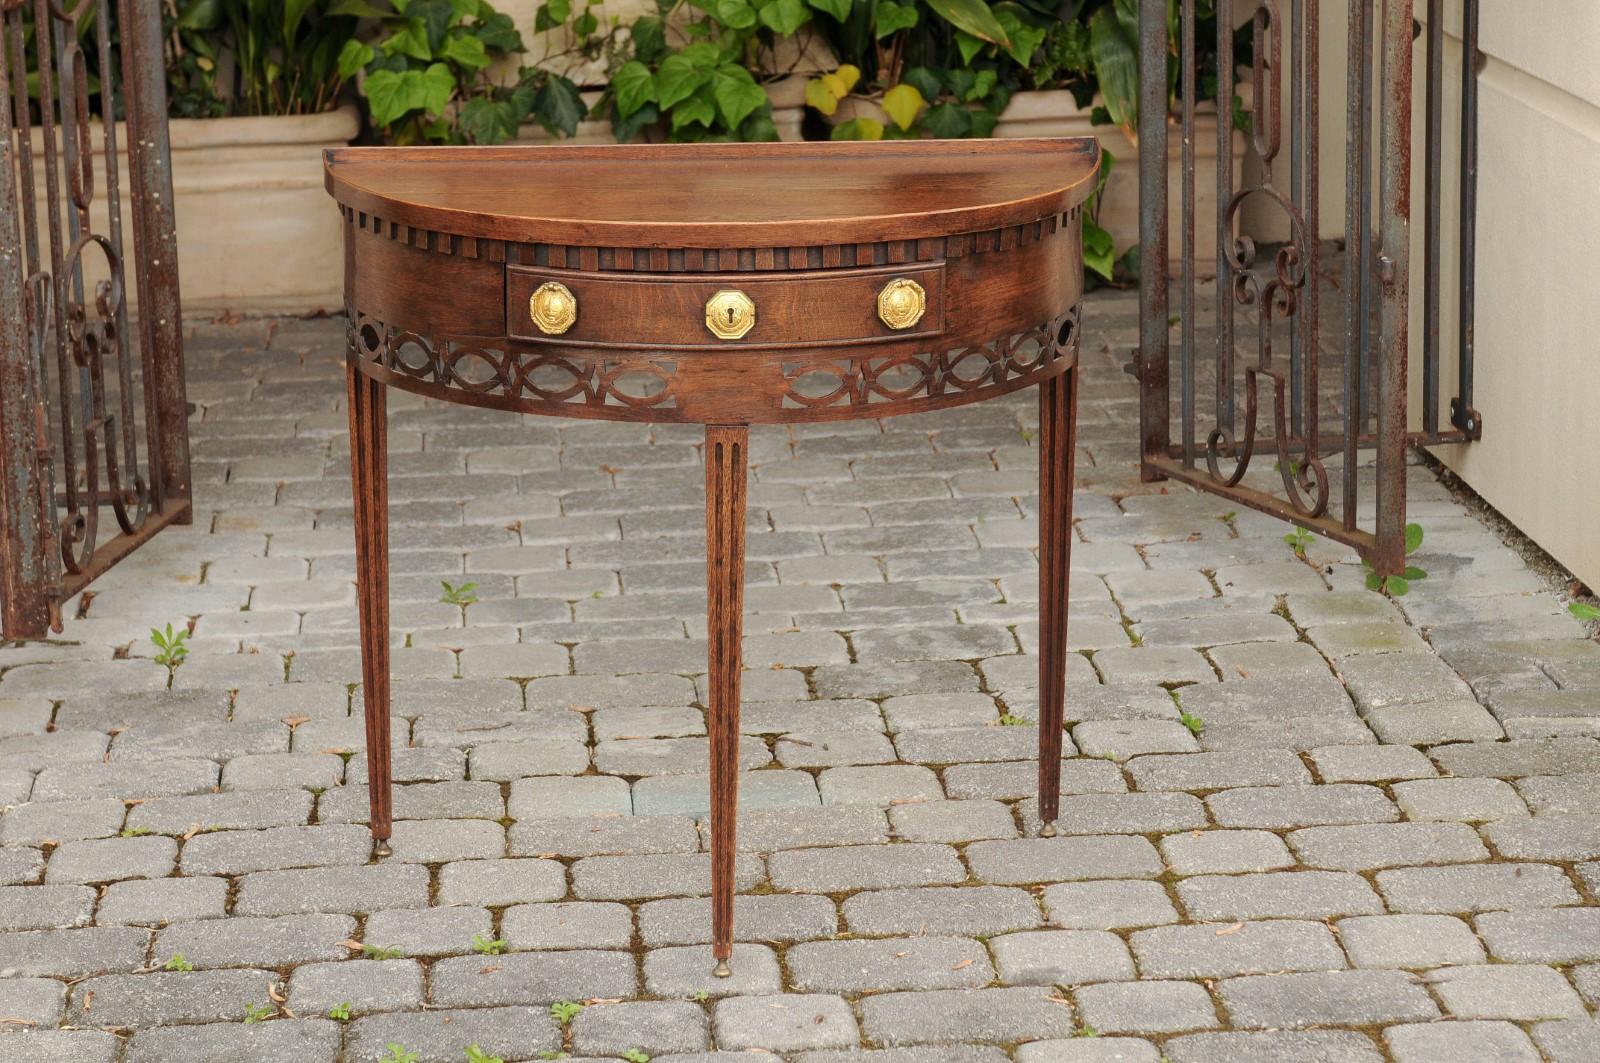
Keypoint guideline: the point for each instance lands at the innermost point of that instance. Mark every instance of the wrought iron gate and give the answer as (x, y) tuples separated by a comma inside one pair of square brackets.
[(1298, 369), (74, 386)]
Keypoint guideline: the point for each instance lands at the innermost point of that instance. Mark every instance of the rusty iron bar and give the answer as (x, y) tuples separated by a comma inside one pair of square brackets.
[(1394, 264), (1225, 236), (1357, 164), (1432, 215), (27, 575), (1154, 357), (1186, 292), (156, 238), (1462, 413)]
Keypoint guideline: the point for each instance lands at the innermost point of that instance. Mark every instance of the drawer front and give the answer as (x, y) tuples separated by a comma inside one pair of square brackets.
[(837, 307)]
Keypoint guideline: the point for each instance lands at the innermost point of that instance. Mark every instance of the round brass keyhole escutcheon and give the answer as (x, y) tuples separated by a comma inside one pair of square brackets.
[(553, 308), (901, 303), (730, 314)]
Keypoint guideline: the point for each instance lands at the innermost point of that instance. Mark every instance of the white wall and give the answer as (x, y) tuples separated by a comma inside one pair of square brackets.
[(1538, 272)]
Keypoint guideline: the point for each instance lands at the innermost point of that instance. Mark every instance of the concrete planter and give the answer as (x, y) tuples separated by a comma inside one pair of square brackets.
[(256, 231), (1056, 114)]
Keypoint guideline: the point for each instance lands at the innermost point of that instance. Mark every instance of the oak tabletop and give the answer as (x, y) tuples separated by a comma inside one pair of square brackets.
[(717, 195)]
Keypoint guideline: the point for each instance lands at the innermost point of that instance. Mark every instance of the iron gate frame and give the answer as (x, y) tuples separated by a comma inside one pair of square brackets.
[(50, 547), (1377, 265)]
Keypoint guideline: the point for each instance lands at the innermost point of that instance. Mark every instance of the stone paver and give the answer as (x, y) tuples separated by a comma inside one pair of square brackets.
[(1379, 840)]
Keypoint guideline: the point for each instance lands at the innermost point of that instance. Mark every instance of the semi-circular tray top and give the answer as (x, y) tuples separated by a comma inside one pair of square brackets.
[(734, 195)]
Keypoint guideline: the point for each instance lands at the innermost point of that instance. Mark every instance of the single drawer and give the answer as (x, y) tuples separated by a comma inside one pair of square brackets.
[(677, 311)]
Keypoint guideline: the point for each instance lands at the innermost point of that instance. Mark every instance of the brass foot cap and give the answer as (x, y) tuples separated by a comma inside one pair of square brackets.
[(380, 848), (722, 970), (1047, 830)]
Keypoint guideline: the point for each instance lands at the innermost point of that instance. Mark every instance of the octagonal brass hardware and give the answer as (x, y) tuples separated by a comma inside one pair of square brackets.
[(730, 314), (553, 308), (901, 303)]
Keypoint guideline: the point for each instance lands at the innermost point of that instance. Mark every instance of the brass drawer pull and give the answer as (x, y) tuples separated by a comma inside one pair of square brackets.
[(901, 303), (730, 314), (553, 308)]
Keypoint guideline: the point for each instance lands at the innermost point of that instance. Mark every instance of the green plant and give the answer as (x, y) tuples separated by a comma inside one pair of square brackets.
[(486, 946), (1299, 541), (702, 995), (564, 1011), (381, 952), (551, 1053), (1008, 720), (1194, 723), (478, 1055), (254, 1013), (1583, 611), (177, 963), (249, 57), (398, 1054), (459, 594), (340, 1011), (428, 78), (1086, 1031), (636, 1055), (171, 646), (699, 81), (135, 832), (1395, 586)]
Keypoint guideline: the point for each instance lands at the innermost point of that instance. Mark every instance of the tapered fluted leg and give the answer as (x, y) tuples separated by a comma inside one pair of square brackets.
[(1058, 439), (726, 452), (369, 484)]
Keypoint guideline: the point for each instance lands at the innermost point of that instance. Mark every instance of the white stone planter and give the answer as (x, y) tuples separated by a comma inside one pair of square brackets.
[(1056, 114), (256, 231)]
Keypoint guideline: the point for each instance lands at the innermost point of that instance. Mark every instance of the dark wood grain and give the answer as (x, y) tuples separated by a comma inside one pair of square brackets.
[(726, 456), (1058, 429), (369, 485), (717, 196)]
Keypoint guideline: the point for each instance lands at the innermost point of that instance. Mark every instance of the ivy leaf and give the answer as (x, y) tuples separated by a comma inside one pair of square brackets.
[(821, 94), (487, 121), (1025, 36), (983, 122), (558, 105), (700, 107), (436, 85), (889, 17), (839, 9), (649, 38), (902, 103), (678, 78), (784, 17), (353, 57), (735, 14), (849, 76), (924, 81), (625, 129), (736, 94), (947, 121), (859, 129), (1413, 538), (410, 41), (1099, 250), (634, 85), (497, 32), (974, 17), (759, 126), (969, 46), (1116, 61), (551, 14), (465, 51)]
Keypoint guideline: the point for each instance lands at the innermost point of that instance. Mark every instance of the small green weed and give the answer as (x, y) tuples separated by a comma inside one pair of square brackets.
[(1230, 516), (171, 646), (636, 1055), (398, 1054), (1299, 540), (340, 1011), (1194, 723), (478, 1055), (135, 832), (1086, 1031), (551, 1053), (1395, 586), (254, 1013), (382, 952), (564, 1011), (1009, 720), (1583, 611), (701, 996), (486, 946), (463, 594), (177, 963)]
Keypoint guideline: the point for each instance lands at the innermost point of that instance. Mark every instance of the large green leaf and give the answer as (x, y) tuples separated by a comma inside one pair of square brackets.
[(678, 78), (634, 86), (924, 81), (1099, 250), (649, 35), (701, 108), (352, 57), (409, 40), (736, 93), (1026, 37), (839, 9), (784, 17), (488, 121), (1116, 61), (947, 121), (558, 106), (974, 17), (392, 94), (465, 51), (736, 14), (889, 17)]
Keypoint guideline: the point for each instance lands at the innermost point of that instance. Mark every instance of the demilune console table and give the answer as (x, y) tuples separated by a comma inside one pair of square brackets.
[(721, 285)]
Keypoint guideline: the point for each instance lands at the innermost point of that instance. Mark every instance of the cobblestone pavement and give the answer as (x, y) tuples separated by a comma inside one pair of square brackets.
[(1383, 842)]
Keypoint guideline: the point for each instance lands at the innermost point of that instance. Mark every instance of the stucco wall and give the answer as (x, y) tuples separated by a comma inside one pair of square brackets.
[(1538, 272)]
